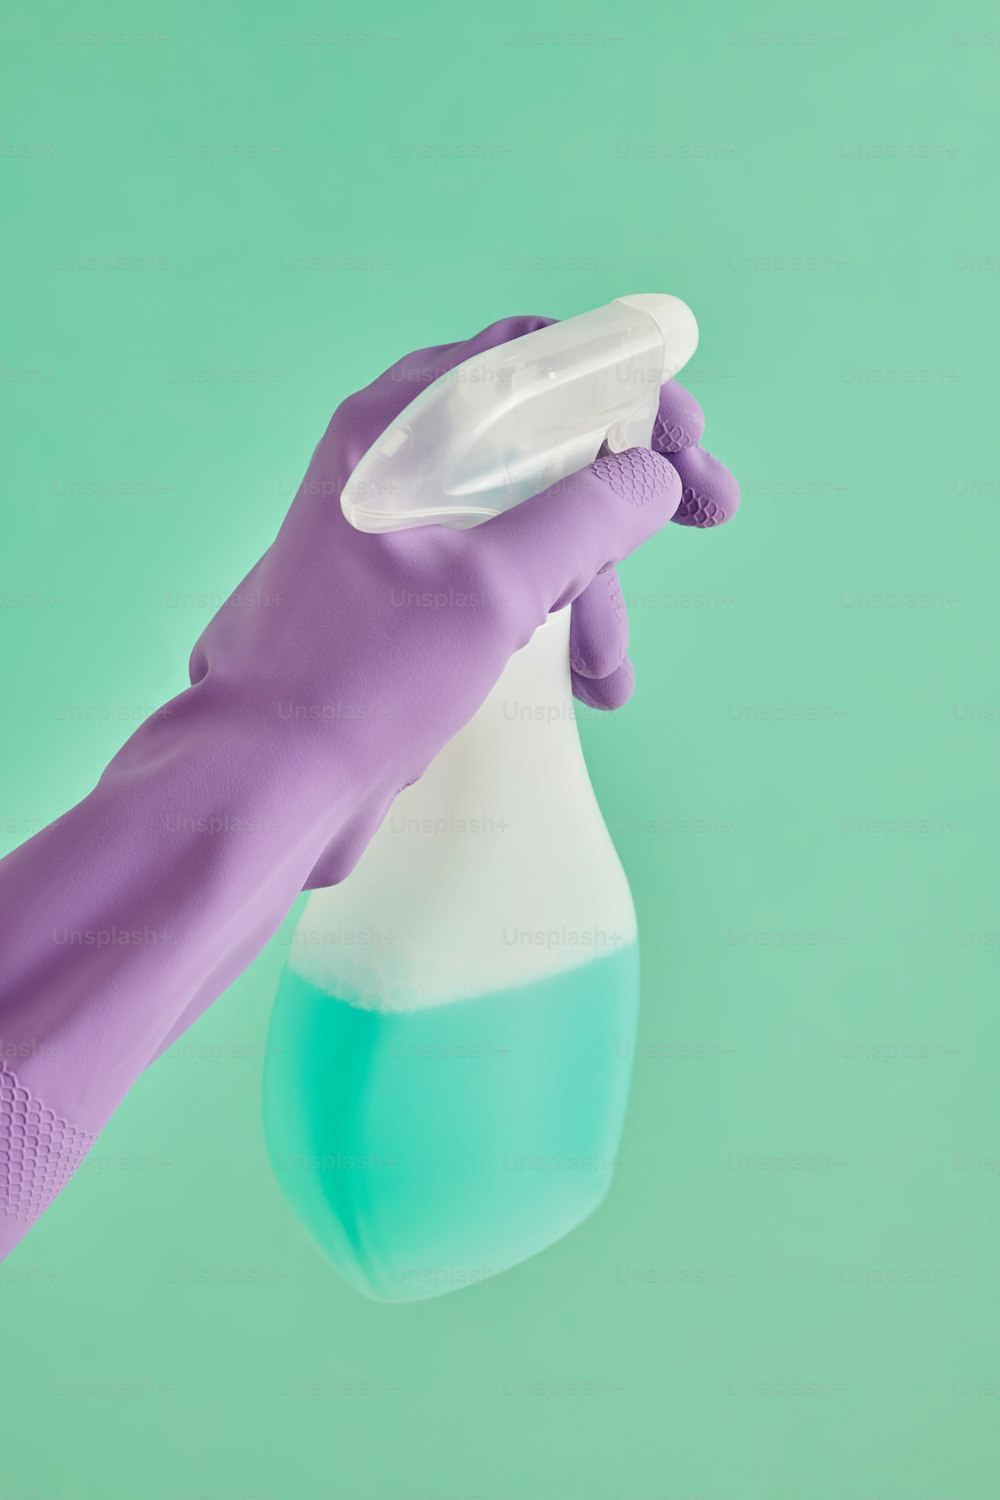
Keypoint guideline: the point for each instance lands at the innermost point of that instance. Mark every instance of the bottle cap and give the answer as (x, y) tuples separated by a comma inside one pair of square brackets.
[(676, 323)]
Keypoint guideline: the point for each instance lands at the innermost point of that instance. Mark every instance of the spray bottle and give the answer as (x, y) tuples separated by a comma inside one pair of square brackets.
[(450, 1048)]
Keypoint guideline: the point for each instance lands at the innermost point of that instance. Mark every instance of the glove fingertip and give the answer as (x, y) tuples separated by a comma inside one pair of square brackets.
[(680, 421), (606, 693), (710, 494)]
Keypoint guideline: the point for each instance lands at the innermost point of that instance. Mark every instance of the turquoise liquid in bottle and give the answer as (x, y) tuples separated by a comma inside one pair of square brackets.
[(425, 1151)]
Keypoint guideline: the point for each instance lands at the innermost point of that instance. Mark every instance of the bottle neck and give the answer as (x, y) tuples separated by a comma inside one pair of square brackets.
[(527, 727)]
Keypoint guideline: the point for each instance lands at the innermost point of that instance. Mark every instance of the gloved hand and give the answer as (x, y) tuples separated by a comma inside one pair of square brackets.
[(318, 692)]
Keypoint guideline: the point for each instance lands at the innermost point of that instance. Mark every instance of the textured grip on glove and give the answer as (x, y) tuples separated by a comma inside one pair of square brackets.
[(39, 1151)]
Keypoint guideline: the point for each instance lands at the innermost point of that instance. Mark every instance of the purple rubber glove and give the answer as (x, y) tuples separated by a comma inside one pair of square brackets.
[(319, 690)]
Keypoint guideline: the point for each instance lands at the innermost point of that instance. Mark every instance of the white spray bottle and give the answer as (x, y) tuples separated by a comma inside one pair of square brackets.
[(450, 1048)]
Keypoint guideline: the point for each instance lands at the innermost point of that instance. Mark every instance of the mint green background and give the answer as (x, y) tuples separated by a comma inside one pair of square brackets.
[(856, 492)]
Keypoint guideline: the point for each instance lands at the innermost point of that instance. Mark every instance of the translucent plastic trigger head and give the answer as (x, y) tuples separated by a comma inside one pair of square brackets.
[(509, 422)]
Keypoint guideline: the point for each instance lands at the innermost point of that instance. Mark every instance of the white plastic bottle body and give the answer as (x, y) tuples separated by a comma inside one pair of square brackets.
[(451, 1046)]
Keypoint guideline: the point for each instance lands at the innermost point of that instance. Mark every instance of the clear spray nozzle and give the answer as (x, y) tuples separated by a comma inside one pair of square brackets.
[(507, 423)]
